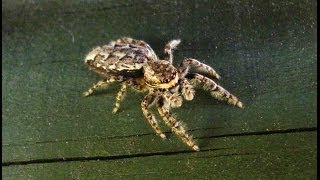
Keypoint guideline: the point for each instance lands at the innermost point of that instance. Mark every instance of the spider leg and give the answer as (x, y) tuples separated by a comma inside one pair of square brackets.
[(201, 67), (187, 89), (176, 126), (101, 83), (169, 47), (216, 91), (138, 84), (148, 101), (174, 100), (120, 96)]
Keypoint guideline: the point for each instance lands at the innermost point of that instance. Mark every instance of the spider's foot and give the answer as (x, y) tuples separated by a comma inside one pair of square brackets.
[(87, 93), (233, 100), (196, 148), (115, 110), (215, 74), (239, 104), (163, 136)]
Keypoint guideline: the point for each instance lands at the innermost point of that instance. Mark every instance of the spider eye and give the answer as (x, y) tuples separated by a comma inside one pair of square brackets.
[(160, 74)]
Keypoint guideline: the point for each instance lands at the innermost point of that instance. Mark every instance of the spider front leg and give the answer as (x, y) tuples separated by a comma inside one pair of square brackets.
[(101, 83), (175, 125), (173, 99), (169, 47), (120, 96), (201, 67), (187, 89), (216, 90), (145, 104)]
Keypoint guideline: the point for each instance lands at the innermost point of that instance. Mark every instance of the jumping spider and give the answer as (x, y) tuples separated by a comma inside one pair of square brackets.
[(134, 63)]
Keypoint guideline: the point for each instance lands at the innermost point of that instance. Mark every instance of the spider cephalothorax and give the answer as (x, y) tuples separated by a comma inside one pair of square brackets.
[(133, 63), (160, 74)]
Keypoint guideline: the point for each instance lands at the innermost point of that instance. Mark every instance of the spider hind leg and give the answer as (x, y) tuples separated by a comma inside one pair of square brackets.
[(102, 83)]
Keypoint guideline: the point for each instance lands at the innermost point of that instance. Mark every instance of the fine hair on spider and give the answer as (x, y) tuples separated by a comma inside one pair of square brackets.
[(134, 64)]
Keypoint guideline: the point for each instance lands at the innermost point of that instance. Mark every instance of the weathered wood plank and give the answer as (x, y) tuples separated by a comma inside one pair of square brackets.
[(272, 156), (264, 51)]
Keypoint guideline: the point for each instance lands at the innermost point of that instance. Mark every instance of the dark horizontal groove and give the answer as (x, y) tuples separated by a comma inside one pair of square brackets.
[(297, 130), (95, 137), (97, 158), (115, 8)]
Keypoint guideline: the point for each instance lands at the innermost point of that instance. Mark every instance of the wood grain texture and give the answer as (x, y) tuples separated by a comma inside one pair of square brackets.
[(274, 156), (264, 51)]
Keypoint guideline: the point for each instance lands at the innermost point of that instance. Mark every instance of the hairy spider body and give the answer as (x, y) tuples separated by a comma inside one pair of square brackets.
[(123, 55), (133, 63)]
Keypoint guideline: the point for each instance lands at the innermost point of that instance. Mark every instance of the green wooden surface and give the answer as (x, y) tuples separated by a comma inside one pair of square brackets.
[(265, 52)]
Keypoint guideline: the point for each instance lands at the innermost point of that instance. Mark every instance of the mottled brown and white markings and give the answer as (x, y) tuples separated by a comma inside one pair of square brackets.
[(133, 63)]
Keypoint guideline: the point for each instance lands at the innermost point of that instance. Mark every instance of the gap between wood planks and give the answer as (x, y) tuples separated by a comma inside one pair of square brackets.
[(95, 158)]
